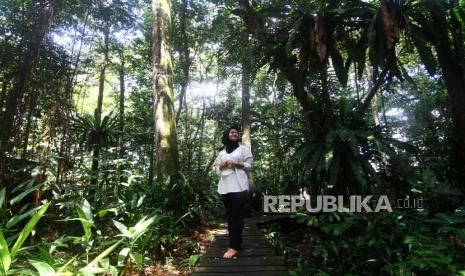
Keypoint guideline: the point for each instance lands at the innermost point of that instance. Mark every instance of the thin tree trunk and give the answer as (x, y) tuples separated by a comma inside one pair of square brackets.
[(328, 108), (246, 124), (202, 129), (152, 163), (167, 156), (121, 107), (31, 109), (185, 59), (374, 101), (98, 110), (4, 92)]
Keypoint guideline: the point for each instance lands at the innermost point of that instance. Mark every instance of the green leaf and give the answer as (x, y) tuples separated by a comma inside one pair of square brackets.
[(61, 269), (193, 259), (105, 263), (87, 211), (424, 51), (2, 197), (444, 188), (5, 254), (103, 254), (137, 258), (85, 216), (122, 228), (334, 168), (102, 213), (45, 254), (122, 255), (141, 227), (339, 67), (60, 242), (25, 193), (27, 229), (44, 269), (316, 157), (91, 270), (14, 220)]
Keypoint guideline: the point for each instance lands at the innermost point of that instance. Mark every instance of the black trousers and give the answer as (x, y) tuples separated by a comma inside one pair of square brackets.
[(234, 206)]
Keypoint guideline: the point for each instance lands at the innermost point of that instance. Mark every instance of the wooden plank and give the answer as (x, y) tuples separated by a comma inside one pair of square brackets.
[(244, 239), (244, 261), (236, 269), (258, 273), (257, 257), (252, 244), (245, 233), (249, 252)]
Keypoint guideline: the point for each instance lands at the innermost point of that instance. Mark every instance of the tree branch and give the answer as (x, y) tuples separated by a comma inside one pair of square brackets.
[(379, 81)]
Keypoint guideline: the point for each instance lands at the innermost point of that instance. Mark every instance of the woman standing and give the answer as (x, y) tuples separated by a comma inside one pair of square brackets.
[(232, 164)]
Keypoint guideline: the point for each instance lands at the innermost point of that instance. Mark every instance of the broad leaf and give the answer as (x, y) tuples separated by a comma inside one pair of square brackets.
[(43, 268), (27, 229)]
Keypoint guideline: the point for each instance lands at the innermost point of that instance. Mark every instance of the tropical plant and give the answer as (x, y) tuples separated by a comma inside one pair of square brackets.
[(8, 252), (342, 157)]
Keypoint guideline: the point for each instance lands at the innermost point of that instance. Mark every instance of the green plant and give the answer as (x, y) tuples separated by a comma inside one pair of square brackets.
[(340, 156), (132, 235), (7, 255)]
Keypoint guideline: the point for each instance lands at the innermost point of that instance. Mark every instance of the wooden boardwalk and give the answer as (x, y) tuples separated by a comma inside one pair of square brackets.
[(256, 258)]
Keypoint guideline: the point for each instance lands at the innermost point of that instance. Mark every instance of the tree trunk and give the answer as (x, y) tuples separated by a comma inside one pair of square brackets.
[(246, 124), (4, 92), (450, 57), (374, 101), (41, 27), (98, 111), (31, 109), (121, 107), (152, 163), (167, 157), (200, 141), (455, 84), (185, 59), (13, 100)]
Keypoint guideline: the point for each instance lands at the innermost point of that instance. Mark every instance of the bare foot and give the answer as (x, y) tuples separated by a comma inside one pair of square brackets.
[(230, 254)]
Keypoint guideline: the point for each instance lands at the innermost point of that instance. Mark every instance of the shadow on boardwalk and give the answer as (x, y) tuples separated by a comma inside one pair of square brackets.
[(256, 258)]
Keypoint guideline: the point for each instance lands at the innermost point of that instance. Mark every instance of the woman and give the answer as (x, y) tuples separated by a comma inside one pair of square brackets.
[(231, 164)]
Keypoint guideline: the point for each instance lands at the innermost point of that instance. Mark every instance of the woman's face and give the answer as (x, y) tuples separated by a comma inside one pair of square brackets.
[(233, 135)]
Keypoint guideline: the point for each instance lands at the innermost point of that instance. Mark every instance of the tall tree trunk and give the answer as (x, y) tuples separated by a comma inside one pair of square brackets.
[(121, 115), (200, 140), (451, 56), (167, 156), (246, 124), (455, 84), (41, 27), (185, 59), (152, 162), (31, 109), (98, 111), (4, 92), (121, 107), (374, 101)]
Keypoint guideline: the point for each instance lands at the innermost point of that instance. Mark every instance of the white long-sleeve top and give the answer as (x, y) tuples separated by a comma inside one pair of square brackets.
[(234, 180)]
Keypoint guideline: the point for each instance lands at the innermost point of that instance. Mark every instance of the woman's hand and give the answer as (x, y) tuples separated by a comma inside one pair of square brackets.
[(239, 165), (231, 164), (225, 164)]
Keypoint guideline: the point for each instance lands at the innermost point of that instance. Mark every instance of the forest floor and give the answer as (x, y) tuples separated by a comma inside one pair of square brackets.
[(203, 236)]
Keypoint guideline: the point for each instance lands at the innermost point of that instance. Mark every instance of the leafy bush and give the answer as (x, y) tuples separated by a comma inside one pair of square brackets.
[(395, 243)]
